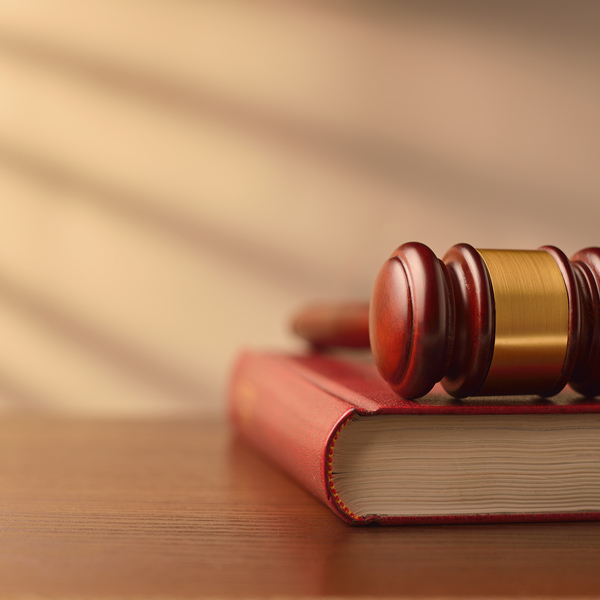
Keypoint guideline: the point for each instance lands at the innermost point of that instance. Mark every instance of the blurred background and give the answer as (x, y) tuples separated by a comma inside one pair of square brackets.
[(177, 177)]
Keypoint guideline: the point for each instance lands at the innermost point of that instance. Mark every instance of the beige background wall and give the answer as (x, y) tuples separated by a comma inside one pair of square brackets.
[(178, 176)]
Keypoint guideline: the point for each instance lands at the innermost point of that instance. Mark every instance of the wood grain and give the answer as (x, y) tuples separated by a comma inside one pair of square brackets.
[(180, 509)]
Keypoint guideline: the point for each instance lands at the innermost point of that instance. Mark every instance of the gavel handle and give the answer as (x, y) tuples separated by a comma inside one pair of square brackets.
[(340, 324)]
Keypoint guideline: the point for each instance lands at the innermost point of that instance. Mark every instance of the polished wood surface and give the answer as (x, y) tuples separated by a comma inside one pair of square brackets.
[(126, 509), (473, 342), (411, 320)]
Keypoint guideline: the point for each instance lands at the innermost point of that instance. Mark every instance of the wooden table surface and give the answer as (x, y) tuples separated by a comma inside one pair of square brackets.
[(182, 509)]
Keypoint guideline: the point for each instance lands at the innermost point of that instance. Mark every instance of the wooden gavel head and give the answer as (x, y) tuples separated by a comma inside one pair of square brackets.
[(483, 322)]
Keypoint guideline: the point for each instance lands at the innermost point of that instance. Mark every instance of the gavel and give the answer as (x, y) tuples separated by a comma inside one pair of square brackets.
[(483, 322)]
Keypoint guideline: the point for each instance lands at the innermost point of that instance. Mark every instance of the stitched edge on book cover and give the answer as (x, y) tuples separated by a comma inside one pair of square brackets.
[(341, 507)]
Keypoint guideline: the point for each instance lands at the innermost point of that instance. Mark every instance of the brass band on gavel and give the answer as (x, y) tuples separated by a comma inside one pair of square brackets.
[(531, 309)]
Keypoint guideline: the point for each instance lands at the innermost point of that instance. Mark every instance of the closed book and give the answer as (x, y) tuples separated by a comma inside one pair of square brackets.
[(372, 456)]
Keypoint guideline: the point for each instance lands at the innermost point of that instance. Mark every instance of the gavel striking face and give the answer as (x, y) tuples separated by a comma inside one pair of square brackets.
[(483, 322)]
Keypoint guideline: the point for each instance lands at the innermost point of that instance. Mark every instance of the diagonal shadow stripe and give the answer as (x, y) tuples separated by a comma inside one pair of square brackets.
[(398, 164), (552, 22), (275, 265), (124, 356), (22, 400)]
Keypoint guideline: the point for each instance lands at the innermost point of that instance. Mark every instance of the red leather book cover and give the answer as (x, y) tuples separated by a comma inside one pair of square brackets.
[(292, 407)]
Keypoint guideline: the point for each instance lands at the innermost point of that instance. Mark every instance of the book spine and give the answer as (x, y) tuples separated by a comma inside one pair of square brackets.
[(288, 419)]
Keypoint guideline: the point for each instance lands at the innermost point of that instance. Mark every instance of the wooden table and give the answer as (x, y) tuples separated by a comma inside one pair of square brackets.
[(182, 509)]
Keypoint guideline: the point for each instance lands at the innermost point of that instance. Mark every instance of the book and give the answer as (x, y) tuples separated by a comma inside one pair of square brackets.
[(371, 456)]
